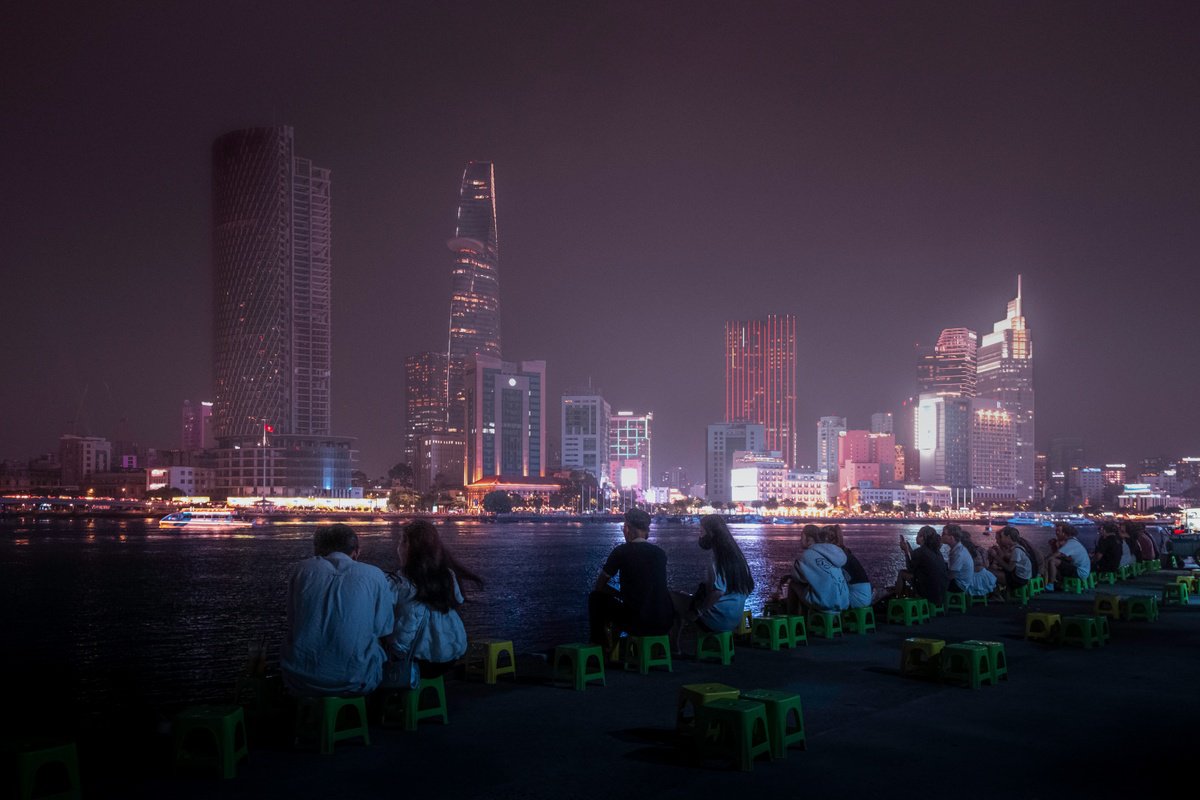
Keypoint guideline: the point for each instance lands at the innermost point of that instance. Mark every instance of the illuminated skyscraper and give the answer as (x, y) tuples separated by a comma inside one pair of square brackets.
[(424, 402), (506, 419), (271, 264), (475, 287), (629, 441), (196, 426), (949, 367), (760, 378), (585, 434), (1006, 374), (828, 431)]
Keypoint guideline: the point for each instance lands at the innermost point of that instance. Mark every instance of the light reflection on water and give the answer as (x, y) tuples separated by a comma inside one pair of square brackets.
[(118, 606)]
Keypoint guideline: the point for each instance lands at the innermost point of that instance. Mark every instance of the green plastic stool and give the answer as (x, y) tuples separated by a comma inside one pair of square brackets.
[(858, 620), (1106, 577), (48, 767), (323, 715), (936, 610), (797, 631), (1140, 568), (996, 656), (903, 611), (222, 729), (1105, 632), (1073, 585), (1023, 594), (410, 705), (715, 646), (1140, 607), (694, 695), (967, 664), (573, 661), (1038, 584), (1175, 594), (733, 728), (977, 599), (956, 601), (921, 657), (645, 652), (771, 632), (1081, 631), (924, 610), (785, 719), (1125, 571), (826, 624)]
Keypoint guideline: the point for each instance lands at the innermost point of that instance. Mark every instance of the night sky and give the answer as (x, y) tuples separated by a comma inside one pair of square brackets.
[(881, 170)]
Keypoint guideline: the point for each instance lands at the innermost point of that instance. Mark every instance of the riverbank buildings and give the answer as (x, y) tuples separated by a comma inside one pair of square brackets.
[(760, 378)]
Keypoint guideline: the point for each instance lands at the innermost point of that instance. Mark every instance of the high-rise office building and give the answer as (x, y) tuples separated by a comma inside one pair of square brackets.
[(196, 428), (271, 263), (760, 378), (949, 367), (475, 282), (506, 419), (585, 434), (629, 445), (993, 451), (865, 458), (944, 440), (1005, 373), (828, 431), (424, 400), (724, 440), (882, 422)]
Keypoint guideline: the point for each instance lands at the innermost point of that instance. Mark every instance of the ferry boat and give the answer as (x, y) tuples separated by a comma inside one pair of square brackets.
[(194, 519), (1044, 520)]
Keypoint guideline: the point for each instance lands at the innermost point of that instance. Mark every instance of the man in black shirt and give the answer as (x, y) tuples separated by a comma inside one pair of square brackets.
[(927, 570), (642, 606)]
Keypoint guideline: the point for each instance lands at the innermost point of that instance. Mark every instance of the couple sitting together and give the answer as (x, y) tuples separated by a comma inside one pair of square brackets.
[(351, 628)]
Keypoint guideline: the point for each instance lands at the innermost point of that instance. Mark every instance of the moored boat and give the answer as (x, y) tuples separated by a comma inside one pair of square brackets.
[(202, 519)]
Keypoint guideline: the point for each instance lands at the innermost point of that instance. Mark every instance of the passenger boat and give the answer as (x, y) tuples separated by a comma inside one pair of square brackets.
[(1040, 519), (195, 519)]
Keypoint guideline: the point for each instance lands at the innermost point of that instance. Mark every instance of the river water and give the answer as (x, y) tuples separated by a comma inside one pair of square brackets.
[(102, 608)]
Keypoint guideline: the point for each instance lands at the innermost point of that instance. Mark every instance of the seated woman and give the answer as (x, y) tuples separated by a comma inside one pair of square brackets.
[(817, 582), (967, 573), (720, 599), (925, 573), (1015, 558), (857, 580), (429, 636)]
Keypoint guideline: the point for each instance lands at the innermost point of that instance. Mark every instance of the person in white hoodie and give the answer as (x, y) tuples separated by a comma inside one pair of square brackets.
[(817, 582)]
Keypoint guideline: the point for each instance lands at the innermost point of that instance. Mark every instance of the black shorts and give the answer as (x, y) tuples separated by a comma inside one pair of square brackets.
[(1012, 581), (1066, 569)]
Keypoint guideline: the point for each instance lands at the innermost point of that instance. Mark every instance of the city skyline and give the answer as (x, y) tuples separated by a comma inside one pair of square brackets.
[(655, 182)]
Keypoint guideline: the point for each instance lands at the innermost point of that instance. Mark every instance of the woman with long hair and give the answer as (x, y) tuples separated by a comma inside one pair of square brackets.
[(817, 582), (429, 635), (1014, 558), (720, 598)]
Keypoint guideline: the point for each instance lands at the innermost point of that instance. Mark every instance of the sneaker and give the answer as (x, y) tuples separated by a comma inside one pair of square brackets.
[(1049, 587)]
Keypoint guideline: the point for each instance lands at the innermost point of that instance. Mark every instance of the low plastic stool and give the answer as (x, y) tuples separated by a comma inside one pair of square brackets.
[(977, 599), (771, 632), (826, 624), (956, 601), (997, 657), (1188, 581), (222, 727), (1106, 577), (743, 628), (1175, 594), (936, 610), (715, 646), (322, 715), (785, 719), (643, 653), (573, 661), (1081, 631), (1038, 584), (1140, 607), (62, 759), (1042, 627), (694, 695), (410, 704), (858, 620), (1102, 626), (797, 631), (921, 657), (1073, 585), (484, 659), (1140, 568), (903, 611), (736, 728), (924, 610), (1107, 605), (968, 664), (1125, 572), (1024, 594)]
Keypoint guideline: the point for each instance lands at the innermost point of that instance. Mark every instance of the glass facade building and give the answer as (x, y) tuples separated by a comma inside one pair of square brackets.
[(760, 378), (506, 419), (424, 402), (1005, 373), (949, 367)]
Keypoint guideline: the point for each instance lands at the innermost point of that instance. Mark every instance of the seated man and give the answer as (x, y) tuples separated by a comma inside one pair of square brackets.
[(1070, 560), (338, 611), (642, 606)]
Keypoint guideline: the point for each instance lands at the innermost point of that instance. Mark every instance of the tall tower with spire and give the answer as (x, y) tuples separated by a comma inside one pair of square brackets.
[(1006, 375), (475, 289)]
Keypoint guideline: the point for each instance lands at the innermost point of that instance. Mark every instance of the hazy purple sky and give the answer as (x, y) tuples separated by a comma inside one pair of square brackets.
[(882, 170)]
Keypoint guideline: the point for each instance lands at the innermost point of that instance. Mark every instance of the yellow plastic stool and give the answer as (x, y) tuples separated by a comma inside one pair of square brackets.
[(743, 628), (921, 657), (577, 660), (1042, 627), (694, 695), (484, 659), (1107, 605), (411, 706), (715, 646), (44, 768), (642, 653), (785, 719), (736, 728), (223, 730)]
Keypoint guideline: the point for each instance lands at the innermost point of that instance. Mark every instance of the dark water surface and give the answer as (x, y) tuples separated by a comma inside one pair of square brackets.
[(103, 607)]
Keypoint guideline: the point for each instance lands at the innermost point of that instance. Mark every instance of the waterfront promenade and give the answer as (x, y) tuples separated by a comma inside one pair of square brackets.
[(1112, 722)]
